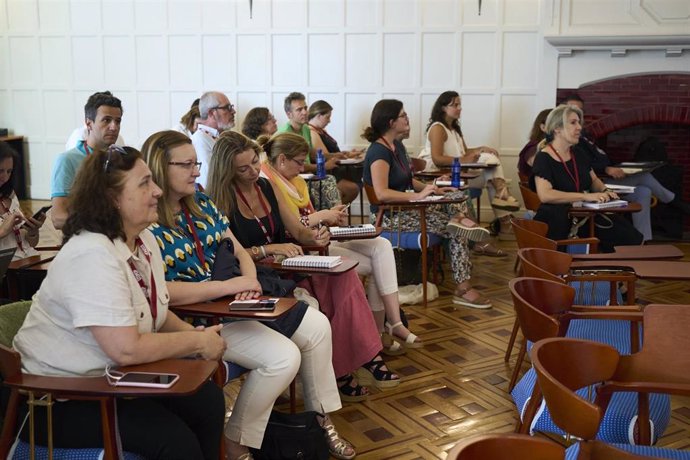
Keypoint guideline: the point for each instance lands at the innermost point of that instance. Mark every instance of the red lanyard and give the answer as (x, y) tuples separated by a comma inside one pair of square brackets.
[(575, 175), (197, 242), (15, 230), (86, 149), (406, 169), (150, 294), (269, 238)]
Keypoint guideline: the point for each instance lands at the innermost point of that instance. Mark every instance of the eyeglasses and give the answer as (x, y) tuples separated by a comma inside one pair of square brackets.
[(228, 107), (111, 149), (186, 164), (299, 163), (402, 115)]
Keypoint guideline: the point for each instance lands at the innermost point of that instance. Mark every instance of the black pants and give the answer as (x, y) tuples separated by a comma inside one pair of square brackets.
[(185, 428)]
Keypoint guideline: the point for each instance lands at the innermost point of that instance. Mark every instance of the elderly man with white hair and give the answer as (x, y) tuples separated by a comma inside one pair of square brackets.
[(217, 114)]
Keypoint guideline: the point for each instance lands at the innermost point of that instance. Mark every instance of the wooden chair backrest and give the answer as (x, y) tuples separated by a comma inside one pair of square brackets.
[(544, 263), (564, 365), (528, 234), (371, 194), (537, 304), (530, 198), (506, 446), (418, 164)]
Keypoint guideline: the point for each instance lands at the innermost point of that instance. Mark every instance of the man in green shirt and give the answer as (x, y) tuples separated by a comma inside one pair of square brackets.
[(297, 112)]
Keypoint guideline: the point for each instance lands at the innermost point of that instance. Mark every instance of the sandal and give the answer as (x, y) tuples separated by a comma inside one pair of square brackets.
[(390, 346), (467, 228), (488, 249), (372, 373), (338, 446), (409, 342), (478, 302), (349, 393)]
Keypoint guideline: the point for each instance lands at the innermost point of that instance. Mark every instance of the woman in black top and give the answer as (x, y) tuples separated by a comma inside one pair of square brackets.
[(387, 169), (562, 175)]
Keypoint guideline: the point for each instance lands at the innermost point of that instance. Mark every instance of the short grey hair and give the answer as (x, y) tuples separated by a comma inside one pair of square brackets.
[(294, 96), (208, 101)]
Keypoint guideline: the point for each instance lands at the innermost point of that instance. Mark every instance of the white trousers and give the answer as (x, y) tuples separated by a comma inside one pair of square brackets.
[(274, 361), (376, 262)]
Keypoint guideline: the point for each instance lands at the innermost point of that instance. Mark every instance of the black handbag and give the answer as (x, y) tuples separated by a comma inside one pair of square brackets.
[(226, 266), (293, 437)]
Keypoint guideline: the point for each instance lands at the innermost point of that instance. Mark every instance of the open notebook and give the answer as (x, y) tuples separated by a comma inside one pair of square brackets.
[(350, 230), (312, 261)]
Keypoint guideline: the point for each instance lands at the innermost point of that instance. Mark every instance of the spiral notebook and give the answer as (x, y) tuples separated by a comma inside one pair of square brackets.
[(606, 205), (312, 261), (350, 230)]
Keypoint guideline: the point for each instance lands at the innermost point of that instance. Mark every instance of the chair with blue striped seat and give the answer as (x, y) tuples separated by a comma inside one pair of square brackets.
[(600, 289), (511, 446), (545, 309), (564, 366)]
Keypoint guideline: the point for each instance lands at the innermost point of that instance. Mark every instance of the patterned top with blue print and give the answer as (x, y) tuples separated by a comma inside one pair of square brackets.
[(177, 244)]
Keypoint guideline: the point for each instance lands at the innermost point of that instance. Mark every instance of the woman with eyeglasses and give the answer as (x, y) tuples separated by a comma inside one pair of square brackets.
[(286, 153), (260, 219), (387, 169), (189, 232), (563, 175), (259, 121), (104, 302), (445, 142)]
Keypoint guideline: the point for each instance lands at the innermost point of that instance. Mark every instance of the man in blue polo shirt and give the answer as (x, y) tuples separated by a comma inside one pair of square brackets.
[(103, 115)]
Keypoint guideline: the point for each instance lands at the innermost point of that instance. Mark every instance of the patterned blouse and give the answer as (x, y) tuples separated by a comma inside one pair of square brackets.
[(177, 244)]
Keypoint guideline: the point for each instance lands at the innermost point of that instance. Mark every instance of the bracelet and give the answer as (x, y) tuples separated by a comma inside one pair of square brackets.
[(263, 251)]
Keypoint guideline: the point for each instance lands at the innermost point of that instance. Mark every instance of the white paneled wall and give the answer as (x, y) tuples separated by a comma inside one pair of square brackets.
[(158, 55)]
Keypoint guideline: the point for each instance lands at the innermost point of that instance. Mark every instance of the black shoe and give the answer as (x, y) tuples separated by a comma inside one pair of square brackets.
[(680, 205)]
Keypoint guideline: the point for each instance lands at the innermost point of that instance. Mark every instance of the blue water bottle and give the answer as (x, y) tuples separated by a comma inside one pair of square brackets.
[(455, 173), (320, 164)]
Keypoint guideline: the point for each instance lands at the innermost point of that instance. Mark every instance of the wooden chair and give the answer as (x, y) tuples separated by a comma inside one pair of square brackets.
[(422, 239), (545, 309), (509, 446), (529, 198), (565, 365)]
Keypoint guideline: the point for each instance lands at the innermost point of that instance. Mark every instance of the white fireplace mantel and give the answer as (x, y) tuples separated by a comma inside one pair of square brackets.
[(672, 45)]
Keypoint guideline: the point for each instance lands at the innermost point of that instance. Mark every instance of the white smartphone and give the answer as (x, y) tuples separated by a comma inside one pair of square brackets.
[(147, 379)]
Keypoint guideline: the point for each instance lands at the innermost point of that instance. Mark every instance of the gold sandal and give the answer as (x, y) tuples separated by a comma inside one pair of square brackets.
[(338, 446)]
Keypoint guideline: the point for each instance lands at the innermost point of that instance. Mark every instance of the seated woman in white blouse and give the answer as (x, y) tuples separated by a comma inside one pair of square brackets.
[(104, 303)]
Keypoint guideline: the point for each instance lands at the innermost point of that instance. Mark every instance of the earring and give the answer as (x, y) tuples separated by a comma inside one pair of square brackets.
[(282, 163)]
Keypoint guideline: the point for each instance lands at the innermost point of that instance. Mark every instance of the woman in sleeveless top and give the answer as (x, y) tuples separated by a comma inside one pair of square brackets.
[(444, 142)]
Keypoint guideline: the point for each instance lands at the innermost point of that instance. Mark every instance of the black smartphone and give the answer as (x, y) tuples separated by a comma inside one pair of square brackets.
[(253, 305), (43, 210), (147, 379)]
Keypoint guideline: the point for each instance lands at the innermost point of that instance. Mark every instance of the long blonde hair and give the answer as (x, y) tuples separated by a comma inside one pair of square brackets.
[(221, 176), (156, 154)]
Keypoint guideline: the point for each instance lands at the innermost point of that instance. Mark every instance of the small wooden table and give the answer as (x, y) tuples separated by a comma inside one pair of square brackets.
[(193, 374), (33, 264), (634, 252), (645, 269), (220, 309), (345, 266), (582, 211)]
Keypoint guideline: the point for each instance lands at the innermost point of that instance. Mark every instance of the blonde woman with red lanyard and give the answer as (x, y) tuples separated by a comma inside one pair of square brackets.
[(189, 231), (16, 229), (387, 169), (562, 175)]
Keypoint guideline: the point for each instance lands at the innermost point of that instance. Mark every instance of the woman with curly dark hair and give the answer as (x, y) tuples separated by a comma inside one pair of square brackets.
[(104, 302), (258, 121)]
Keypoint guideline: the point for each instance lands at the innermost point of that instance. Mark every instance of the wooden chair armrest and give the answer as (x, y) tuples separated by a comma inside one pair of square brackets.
[(636, 309), (601, 315)]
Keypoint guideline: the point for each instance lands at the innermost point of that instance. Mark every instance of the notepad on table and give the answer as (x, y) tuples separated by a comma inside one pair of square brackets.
[(312, 261), (429, 198), (350, 230), (620, 188), (606, 205), (630, 171)]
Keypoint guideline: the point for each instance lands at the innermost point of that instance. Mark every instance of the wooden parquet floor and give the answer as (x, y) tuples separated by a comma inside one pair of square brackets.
[(456, 386)]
